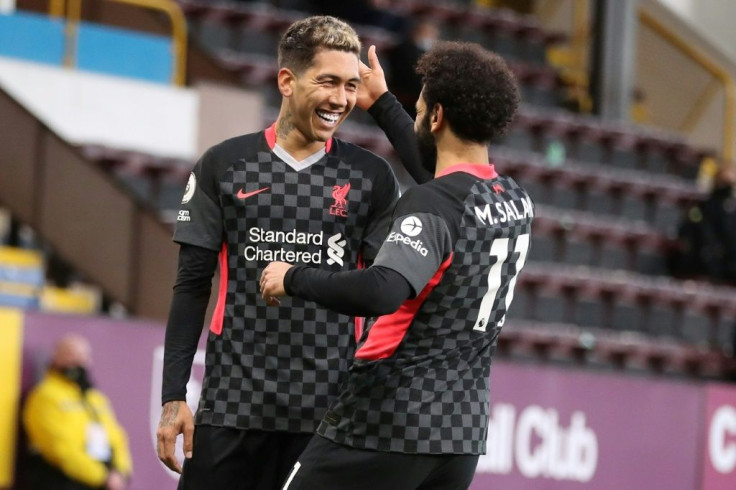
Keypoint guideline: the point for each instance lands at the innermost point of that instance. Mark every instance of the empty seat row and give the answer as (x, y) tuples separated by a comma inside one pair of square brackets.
[(157, 181), (656, 199), (586, 138), (572, 344), (692, 311), (505, 31), (579, 238), (501, 30)]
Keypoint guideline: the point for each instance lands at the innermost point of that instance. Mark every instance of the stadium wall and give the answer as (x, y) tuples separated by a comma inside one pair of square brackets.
[(551, 428)]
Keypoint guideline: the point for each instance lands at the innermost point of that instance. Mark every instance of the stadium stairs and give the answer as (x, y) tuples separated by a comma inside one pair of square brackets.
[(85, 214)]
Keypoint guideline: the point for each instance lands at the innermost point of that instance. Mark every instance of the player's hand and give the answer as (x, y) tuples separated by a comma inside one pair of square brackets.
[(272, 281), (176, 418), (373, 81)]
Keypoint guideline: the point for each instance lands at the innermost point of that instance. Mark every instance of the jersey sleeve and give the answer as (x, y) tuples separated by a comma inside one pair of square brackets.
[(199, 220), (399, 129), (384, 196), (417, 244)]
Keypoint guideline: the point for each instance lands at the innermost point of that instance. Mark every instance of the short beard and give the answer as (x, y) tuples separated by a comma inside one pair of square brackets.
[(427, 146)]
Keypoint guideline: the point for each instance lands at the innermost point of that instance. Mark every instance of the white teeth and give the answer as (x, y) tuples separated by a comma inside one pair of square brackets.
[(328, 116)]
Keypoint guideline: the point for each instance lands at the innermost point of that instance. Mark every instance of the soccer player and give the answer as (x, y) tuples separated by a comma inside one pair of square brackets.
[(294, 193), (414, 411)]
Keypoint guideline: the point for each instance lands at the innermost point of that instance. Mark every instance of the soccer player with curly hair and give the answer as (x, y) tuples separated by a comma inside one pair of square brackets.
[(413, 413)]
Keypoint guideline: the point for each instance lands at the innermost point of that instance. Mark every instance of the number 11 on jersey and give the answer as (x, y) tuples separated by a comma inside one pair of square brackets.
[(500, 251)]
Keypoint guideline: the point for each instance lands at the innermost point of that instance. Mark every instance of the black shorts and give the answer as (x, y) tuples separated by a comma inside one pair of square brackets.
[(224, 458), (325, 465)]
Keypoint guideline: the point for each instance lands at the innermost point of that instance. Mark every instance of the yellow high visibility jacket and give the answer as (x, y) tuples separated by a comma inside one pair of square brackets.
[(57, 418)]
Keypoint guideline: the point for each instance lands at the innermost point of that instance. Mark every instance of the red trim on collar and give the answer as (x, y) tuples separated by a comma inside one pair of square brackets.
[(481, 171), (271, 138)]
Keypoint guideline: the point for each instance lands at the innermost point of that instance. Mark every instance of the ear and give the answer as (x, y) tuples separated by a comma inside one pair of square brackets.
[(286, 79), (436, 118)]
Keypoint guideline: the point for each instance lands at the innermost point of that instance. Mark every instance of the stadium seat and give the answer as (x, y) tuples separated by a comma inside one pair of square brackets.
[(598, 188), (588, 139), (637, 291)]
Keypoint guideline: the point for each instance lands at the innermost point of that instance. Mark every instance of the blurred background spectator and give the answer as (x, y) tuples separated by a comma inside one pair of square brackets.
[(402, 60), (707, 236), (373, 13), (75, 440)]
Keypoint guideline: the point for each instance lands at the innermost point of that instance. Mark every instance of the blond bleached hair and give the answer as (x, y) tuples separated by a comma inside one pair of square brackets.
[(305, 38)]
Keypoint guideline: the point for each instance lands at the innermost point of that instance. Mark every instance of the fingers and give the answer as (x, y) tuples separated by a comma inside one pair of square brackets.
[(268, 290), (165, 443), (267, 286), (373, 58), (188, 439), (263, 284), (175, 418), (271, 283)]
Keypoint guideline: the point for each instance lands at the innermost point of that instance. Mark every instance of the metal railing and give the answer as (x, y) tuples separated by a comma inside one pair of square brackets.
[(73, 16), (722, 75), (577, 65)]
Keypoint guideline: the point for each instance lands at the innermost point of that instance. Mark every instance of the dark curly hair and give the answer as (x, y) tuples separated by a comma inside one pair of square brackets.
[(304, 38), (477, 90)]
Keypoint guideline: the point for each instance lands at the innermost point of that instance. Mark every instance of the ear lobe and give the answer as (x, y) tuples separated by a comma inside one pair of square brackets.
[(437, 116)]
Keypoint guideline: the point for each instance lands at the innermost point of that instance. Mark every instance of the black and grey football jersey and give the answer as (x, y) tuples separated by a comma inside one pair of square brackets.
[(280, 368), (420, 380)]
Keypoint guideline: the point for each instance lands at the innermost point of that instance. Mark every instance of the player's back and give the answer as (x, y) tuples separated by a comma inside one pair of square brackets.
[(420, 381), (489, 221)]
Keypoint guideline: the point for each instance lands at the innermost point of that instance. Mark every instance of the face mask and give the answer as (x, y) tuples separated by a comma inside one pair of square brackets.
[(79, 375)]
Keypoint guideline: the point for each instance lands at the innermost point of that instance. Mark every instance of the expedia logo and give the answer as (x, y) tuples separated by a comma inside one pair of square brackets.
[(417, 245), (411, 226)]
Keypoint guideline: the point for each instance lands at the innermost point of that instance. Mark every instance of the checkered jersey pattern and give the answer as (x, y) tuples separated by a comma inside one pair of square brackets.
[(279, 368), (432, 395)]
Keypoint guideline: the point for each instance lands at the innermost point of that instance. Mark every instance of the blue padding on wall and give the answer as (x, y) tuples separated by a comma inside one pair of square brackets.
[(32, 37), (125, 53), (18, 301), (26, 275)]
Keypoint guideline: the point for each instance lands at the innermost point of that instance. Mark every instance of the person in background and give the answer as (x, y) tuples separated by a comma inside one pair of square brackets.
[(707, 235), (402, 61), (75, 440), (374, 13)]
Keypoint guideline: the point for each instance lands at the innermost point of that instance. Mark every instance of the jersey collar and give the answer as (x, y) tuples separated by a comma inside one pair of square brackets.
[(484, 172), (271, 138)]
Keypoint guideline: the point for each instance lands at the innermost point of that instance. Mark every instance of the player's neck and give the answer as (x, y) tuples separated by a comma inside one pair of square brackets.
[(293, 141), (456, 152)]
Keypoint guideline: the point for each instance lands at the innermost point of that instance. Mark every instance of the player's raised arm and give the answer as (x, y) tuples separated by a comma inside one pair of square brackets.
[(374, 97), (372, 81)]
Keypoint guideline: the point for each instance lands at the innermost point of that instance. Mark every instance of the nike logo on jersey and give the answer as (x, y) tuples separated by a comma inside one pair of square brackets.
[(246, 195)]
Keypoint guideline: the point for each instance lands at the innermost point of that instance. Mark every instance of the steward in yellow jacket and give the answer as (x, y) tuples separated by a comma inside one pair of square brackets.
[(73, 431)]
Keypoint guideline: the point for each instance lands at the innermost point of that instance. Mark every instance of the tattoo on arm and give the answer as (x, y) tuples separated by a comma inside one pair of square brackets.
[(170, 411)]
